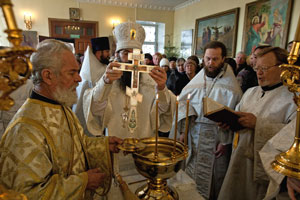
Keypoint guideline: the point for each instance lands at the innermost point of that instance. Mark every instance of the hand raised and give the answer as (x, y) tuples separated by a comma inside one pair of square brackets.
[(159, 75), (95, 179), (111, 75)]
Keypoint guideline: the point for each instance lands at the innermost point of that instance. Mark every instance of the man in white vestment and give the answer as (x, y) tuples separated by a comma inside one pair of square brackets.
[(209, 146), (19, 96), (44, 153), (263, 111), (92, 69), (107, 105), (280, 186)]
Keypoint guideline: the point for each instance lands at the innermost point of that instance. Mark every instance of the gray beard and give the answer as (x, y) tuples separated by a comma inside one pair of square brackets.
[(66, 97)]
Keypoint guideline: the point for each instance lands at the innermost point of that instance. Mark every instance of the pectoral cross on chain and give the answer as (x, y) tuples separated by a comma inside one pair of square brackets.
[(133, 92)]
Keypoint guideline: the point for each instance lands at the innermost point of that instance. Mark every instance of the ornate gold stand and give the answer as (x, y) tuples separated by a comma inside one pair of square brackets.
[(288, 163), (158, 170), (13, 61)]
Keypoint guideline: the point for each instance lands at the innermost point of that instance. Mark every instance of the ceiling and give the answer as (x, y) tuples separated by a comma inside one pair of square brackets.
[(150, 4)]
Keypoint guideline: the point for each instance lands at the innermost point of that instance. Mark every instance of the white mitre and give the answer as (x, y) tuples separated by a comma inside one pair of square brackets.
[(129, 35)]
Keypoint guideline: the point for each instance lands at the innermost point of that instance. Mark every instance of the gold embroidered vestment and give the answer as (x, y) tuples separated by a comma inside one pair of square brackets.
[(45, 154)]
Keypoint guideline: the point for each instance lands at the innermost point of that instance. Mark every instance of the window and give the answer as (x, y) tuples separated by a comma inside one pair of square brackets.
[(154, 41), (150, 44)]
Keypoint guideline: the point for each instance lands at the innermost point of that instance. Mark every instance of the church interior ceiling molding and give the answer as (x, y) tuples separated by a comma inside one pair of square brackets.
[(167, 5)]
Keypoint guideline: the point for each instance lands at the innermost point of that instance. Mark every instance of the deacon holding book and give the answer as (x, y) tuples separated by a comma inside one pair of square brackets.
[(263, 111), (209, 145)]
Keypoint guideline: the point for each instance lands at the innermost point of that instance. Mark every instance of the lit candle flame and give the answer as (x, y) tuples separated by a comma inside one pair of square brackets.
[(189, 96), (177, 98), (156, 96)]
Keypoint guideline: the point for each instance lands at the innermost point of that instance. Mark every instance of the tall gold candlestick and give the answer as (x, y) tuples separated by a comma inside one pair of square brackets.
[(175, 134), (187, 120), (156, 129)]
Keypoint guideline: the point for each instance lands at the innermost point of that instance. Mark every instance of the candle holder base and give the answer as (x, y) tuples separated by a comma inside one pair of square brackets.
[(153, 191)]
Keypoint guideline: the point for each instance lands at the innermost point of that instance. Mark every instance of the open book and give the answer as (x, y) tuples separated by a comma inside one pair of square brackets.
[(220, 113)]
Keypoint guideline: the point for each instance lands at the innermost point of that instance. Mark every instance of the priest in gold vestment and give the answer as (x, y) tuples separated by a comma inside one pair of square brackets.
[(44, 152)]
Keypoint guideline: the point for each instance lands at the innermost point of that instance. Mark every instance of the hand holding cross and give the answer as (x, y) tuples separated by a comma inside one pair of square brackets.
[(112, 75)]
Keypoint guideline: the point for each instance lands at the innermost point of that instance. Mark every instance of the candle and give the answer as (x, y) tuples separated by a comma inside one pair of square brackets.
[(176, 119), (297, 35), (187, 120), (156, 129)]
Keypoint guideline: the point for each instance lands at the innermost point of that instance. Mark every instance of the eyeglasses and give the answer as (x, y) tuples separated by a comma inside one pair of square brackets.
[(264, 68)]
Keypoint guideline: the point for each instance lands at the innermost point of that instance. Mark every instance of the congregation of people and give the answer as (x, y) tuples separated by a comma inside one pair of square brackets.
[(61, 139)]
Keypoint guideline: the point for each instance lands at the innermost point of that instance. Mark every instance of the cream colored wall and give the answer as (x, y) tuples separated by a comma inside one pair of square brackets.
[(177, 21), (44, 9), (185, 18), (166, 17)]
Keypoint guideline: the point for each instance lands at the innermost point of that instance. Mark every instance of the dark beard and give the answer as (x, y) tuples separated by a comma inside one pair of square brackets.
[(214, 73), (125, 80), (104, 61)]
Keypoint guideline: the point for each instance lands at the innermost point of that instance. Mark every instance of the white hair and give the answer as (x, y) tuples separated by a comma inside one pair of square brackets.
[(49, 55)]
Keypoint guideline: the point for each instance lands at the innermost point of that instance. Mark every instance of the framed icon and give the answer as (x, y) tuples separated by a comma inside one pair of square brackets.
[(266, 22), (74, 13), (221, 27)]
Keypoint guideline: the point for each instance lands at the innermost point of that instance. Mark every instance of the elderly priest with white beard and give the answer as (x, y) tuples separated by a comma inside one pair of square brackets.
[(44, 152)]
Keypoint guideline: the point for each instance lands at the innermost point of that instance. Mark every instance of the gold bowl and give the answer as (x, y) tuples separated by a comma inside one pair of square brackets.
[(157, 171)]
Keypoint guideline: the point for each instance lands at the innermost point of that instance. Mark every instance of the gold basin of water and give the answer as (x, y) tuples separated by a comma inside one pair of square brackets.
[(157, 171)]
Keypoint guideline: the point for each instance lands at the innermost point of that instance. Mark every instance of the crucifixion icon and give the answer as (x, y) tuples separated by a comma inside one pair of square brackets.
[(133, 92)]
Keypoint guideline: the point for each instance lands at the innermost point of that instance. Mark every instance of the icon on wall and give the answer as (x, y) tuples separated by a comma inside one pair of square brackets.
[(74, 13)]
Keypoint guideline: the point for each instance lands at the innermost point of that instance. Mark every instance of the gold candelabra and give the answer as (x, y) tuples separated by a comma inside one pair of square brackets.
[(288, 163), (14, 61)]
